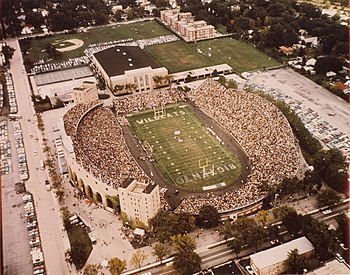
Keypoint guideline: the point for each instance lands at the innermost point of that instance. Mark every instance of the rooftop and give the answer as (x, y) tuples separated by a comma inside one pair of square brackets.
[(116, 60), (279, 253)]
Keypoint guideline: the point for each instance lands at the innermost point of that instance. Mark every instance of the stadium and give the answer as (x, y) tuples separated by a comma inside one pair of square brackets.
[(209, 146)]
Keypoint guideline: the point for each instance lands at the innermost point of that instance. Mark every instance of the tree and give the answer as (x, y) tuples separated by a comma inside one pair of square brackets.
[(263, 217), (183, 242), (186, 261), (160, 251), (8, 53), (169, 79), (92, 269), (295, 263), (116, 266), (226, 230), (327, 197), (208, 216), (293, 222), (138, 258), (328, 63), (236, 245)]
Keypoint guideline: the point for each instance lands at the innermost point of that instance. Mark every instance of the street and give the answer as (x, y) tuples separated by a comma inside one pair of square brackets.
[(54, 240)]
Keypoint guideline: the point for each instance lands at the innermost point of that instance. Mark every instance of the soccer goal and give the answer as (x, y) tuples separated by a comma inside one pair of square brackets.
[(208, 170), (159, 112)]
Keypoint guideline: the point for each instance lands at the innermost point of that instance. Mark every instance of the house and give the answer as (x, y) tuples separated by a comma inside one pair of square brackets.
[(272, 261), (286, 50)]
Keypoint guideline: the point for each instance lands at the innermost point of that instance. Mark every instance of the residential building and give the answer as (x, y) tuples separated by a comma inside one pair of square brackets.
[(139, 201), (183, 23), (273, 261)]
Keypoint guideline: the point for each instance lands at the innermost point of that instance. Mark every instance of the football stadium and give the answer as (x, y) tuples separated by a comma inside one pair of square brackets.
[(211, 145)]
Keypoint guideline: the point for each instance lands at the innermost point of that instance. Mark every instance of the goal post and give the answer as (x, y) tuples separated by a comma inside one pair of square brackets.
[(159, 112)]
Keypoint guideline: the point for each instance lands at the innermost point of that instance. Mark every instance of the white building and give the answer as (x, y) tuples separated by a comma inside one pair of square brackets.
[(184, 24), (272, 261), (123, 65), (85, 93), (139, 201)]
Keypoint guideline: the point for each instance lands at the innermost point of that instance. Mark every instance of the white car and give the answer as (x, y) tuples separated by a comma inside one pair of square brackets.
[(328, 211), (249, 269)]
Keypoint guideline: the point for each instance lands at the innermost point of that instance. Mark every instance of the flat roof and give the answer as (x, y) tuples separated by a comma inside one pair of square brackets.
[(118, 59), (279, 253), (149, 188)]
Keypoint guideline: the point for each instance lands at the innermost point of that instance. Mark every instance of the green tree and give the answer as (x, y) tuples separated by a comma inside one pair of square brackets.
[(161, 251), (8, 53), (138, 258), (208, 216), (226, 230), (280, 212), (92, 269), (186, 261), (327, 197), (263, 217), (295, 263), (236, 245), (293, 222), (116, 266)]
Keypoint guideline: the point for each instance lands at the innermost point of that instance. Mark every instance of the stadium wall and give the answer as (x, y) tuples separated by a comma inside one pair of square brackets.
[(90, 186)]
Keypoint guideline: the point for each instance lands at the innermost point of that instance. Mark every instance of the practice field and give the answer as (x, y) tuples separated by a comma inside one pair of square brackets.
[(189, 155), (180, 56), (177, 56), (138, 30), (238, 54)]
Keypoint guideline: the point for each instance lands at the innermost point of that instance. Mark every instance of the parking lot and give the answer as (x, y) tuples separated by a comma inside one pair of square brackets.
[(5, 149), (325, 115)]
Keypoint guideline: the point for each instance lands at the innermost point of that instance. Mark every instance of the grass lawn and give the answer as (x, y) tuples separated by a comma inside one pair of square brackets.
[(80, 242), (181, 143), (238, 54), (177, 56), (138, 30), (180, 56)]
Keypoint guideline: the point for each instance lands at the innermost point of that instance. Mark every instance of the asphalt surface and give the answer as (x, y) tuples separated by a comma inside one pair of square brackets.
[(54, 240)]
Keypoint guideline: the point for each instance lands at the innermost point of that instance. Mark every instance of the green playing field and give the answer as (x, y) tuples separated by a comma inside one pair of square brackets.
[(189, 154)]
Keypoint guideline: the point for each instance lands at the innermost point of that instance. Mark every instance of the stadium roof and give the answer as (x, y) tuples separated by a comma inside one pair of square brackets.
[(279, 253), (116, 60)]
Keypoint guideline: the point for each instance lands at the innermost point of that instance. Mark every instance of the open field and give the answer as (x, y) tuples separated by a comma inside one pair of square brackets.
[(180, 56), (177, 56), (138, 30), (238, 54), (181, 145)]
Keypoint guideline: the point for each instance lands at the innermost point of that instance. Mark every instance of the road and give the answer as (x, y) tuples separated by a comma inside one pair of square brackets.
[(54, 240), (212, 256)]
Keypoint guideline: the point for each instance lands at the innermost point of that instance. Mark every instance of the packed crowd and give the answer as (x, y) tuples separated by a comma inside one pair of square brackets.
[(261, 130), (102, 150), (258, 126), (147, 100), (72, 117)]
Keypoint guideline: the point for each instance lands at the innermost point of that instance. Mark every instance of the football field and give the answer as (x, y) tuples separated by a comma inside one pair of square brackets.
[(189, 155)]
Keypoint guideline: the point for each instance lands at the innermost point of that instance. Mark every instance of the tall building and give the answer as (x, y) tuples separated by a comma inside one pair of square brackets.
[(86, 93), (183, 23), (139, 201), (127, 65)]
